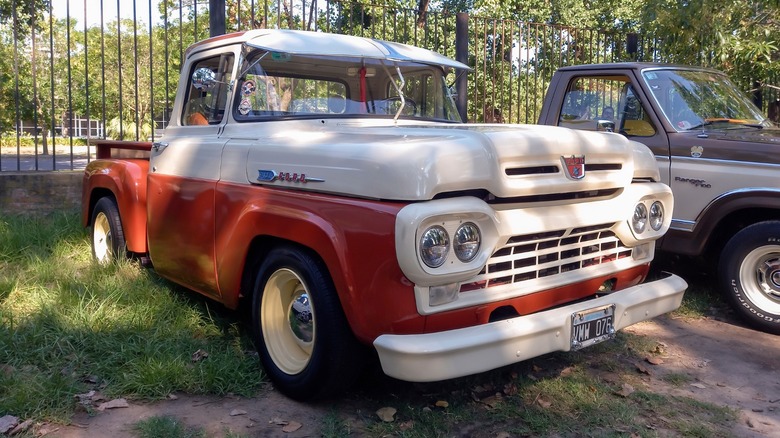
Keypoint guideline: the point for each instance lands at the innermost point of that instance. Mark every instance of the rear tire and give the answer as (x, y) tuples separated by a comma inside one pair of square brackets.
[(749, 273), (108, 237), (303, 338)]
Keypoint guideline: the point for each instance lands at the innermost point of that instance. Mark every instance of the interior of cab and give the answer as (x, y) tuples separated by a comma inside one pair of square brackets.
[(300, 86)]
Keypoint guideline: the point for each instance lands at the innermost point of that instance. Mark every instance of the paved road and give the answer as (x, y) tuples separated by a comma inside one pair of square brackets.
[(28, 160)]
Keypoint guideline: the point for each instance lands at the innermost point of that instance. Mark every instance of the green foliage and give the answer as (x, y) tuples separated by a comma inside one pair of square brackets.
[(68, 326), (170, 427)]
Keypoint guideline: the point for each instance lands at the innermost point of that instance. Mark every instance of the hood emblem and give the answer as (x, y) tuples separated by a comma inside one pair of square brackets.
[(272, 175), (574, 165)]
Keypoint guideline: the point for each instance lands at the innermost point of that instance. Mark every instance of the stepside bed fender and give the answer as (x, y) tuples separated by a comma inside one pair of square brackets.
[(125, 180)]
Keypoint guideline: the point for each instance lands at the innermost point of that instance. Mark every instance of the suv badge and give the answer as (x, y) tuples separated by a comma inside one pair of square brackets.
[(575, 166)]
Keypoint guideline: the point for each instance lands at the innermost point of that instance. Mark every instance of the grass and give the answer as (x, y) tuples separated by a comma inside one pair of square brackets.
[(68, 326)]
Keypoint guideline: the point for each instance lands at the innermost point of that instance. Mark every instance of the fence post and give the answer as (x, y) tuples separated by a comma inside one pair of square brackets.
[(216, 17), (757, 97), (462, 55)]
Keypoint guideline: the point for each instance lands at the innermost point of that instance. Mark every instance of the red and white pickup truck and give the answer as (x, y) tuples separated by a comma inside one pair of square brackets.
[(327, 182)]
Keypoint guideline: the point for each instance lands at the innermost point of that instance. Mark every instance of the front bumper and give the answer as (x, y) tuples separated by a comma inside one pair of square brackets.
[(461, 352)]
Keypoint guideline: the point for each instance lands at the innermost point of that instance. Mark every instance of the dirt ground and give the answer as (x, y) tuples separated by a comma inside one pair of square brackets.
[(726, 364)]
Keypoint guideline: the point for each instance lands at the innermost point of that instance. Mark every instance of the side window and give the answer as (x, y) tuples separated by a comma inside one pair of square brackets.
[(604, 103), (636, 121), (207, 91)]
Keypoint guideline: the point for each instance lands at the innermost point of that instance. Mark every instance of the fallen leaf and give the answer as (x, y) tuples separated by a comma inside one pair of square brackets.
[(442, 404), (625, 390), (172, 397), (699, 385), (543, 403), (292, 427), (113, 404), (642, 369), (21, 428), (7, 423), (85, 398), (406, 425), (537, 368), (510, 389), (236, 412), (654, 360), (492, 401), (199, 355), (278, 421), (386, 414), (566, 371)]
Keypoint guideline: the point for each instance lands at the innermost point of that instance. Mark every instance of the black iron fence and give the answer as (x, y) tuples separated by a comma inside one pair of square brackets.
[(112, 66)]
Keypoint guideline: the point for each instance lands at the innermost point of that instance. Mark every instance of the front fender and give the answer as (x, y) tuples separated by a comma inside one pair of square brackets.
[(125, 180), (353, 237)]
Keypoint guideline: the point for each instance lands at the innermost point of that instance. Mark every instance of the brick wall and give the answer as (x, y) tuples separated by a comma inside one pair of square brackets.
[(40, 192)]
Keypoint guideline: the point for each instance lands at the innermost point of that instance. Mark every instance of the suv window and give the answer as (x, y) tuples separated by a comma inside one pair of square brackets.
[(206, 101), (604, 103)]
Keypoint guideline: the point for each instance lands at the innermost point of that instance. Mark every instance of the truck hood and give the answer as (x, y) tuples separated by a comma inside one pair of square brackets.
[(421, 161)]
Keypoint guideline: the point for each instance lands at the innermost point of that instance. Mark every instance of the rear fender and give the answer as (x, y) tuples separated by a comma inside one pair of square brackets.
[(125, 181)]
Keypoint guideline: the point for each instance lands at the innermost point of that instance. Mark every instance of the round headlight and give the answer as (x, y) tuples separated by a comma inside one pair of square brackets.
[(434, 246), (639, 220), (656, 215), (466, 242)]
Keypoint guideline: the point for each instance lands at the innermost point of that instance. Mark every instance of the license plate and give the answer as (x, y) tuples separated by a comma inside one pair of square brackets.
[(592, 326)]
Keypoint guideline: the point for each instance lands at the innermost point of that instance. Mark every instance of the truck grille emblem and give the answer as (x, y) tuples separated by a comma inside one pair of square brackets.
[(575, 166)]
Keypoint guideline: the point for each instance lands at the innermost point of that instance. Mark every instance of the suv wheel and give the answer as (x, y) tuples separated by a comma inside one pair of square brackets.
[(749, 273)]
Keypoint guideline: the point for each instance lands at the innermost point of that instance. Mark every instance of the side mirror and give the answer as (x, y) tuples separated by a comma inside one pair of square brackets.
[(605, 125), (204, 78)]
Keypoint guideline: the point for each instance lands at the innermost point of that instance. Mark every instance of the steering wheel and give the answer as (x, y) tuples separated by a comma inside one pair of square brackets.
[(392, 104)]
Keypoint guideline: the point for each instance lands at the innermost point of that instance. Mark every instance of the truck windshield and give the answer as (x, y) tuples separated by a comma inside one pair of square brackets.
[(692, 99), (282, 85)]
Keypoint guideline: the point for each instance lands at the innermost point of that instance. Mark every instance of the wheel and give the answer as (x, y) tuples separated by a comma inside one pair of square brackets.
[(108, 237), (749, 273), (305, 344)]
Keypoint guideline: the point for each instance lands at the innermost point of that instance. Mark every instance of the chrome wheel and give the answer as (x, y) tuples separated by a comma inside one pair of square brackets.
[(288, 321), (759, 275)]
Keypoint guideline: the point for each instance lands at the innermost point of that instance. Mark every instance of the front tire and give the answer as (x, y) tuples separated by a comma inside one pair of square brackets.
[(305, 344), (108, 237), (749, 273)]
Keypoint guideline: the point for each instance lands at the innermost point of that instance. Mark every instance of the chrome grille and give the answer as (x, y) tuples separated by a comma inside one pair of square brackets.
[(532, 256)]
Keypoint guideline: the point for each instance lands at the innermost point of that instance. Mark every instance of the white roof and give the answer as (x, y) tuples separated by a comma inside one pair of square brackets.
[(297, 42)]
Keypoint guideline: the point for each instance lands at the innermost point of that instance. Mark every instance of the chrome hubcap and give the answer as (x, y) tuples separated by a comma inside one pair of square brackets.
[(759, 275)]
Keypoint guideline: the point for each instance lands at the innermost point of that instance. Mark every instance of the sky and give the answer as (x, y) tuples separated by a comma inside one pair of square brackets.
[(77, 8)]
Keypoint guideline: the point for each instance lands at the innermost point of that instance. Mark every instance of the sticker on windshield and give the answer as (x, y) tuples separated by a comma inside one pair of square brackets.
[(248, 88), (244, 107)]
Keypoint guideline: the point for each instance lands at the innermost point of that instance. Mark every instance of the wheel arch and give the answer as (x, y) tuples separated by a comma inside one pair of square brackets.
[(125, 182), (721, 219), (333, 237)]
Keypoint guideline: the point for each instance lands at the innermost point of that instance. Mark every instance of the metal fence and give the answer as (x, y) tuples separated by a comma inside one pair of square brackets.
[(114, 64)]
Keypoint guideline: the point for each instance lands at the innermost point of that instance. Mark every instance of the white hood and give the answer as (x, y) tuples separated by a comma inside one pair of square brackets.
[(418, 162)]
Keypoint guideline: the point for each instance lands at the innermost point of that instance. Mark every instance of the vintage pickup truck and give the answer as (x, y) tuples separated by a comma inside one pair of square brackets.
[(327, 183), (717, 152)]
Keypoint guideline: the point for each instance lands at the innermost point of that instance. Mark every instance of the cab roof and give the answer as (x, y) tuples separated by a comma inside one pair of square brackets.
[(309, 43)]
